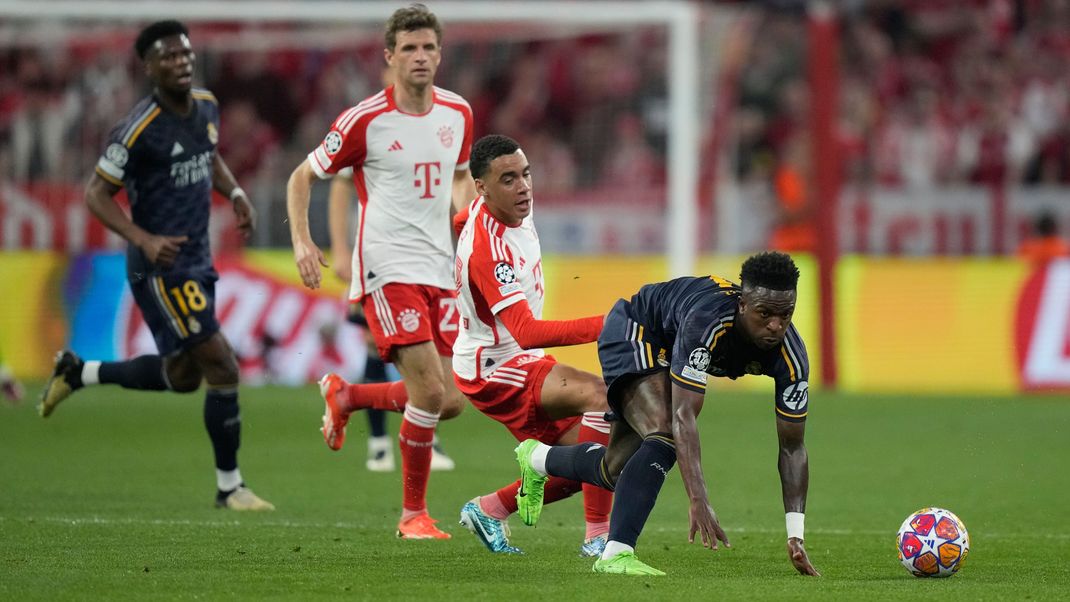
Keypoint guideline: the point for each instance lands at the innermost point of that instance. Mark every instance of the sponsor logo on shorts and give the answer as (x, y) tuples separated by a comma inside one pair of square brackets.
[(194, 325), (409, 320)]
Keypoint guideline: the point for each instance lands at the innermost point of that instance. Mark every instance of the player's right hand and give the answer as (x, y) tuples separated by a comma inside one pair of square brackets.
[(162, 250), (309, 258), (704, 522)]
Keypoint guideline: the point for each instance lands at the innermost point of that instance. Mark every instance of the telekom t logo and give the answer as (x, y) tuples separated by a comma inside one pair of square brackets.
[(429, 179)]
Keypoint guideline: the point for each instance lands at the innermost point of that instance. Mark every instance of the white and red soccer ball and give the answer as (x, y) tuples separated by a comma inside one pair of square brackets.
[(933, 542)]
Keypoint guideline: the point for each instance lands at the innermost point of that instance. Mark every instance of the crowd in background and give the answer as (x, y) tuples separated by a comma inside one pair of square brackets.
[(590, 109), (931, 93)]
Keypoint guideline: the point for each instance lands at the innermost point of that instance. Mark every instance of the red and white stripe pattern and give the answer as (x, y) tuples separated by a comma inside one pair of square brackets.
[(507, 375), (596, 421), (384, 313), (421, 418)]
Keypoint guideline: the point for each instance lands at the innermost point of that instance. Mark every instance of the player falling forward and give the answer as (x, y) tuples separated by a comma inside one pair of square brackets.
[(164, 154), (498, 361), (657, 352), (408, 146)]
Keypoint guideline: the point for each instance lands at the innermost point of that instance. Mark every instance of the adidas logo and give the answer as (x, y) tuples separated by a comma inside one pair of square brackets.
[(396, 146), (177, 150)]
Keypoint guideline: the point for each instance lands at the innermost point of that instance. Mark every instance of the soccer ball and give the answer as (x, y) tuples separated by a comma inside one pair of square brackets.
[(933, 542)]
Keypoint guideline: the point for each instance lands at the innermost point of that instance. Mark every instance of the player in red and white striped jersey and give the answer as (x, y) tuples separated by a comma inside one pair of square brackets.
[(408, 147), (498, 360)]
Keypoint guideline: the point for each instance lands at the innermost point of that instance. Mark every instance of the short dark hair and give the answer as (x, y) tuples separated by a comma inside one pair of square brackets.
[(772, 270), (411, 18), (156, 31), (487, 149)]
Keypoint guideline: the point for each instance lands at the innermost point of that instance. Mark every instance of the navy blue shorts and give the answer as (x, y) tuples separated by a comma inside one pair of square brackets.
[(178, 307), (627, 350)]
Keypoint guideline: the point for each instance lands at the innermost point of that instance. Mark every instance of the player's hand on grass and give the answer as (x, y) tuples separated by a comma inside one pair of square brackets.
[(309, 258), (704, 522), (162, 250), (797, 554), (246, 214), (342, 262)]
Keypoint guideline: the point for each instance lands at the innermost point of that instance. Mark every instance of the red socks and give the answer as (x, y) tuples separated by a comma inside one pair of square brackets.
[(390, 397), (417, 431)]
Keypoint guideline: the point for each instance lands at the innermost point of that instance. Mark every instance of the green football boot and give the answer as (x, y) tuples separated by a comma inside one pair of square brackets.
[(626, 563), (529, 498)]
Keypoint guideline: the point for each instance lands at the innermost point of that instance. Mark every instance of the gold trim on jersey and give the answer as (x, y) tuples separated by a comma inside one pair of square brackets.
[(108, 177), (141, 127), (687, 381), (201, 94), (783, 413)]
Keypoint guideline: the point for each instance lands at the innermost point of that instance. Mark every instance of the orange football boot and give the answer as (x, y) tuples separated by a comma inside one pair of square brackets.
[(334, 417), (421, 527)]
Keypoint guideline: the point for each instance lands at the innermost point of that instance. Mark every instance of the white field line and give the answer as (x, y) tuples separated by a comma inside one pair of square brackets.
[(76, 521)]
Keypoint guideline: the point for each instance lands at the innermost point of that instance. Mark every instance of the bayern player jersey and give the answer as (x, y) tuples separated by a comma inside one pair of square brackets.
[(697, 317), (497, 266), (403, 167), (165, 162)]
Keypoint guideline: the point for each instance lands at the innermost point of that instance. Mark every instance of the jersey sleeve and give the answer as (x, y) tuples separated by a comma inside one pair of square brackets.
[(791, 372), (491, 272), (466, 144), (120, 158), (345, 145), (690, 355)]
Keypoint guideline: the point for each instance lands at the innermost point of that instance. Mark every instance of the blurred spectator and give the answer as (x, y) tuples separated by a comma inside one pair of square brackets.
[(1045, 244)]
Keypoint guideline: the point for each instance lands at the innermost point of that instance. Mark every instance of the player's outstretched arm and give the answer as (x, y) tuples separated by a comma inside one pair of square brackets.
[(100, 197), (686, 405), (532, 333), (307, 255), (338, 227), (223, 181), (794, 481)]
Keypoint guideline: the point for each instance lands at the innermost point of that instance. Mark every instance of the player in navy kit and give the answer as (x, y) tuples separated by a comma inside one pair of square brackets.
[(164, 154), (657, 351)]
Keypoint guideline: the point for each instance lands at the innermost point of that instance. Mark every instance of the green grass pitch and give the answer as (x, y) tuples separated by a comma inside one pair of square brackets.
[(111, 498)]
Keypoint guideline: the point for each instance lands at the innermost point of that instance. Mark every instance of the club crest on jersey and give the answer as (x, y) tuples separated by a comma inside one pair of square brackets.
[(445, 136), (116, 153), (194, 325), (699, 359), (794, 397), (213, 134), (409, 320), (332, 143)]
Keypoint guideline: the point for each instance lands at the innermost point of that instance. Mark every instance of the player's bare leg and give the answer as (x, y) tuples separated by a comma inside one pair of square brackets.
[(422, 372), (216, 360)]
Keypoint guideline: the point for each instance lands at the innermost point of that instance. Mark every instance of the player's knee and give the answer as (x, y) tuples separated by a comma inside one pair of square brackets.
[(428, 394), (222, 371), (453, 406)]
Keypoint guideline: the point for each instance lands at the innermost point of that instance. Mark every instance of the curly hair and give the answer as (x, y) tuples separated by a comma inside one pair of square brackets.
[(411, 18), (772, 270), (489, 148), (156, 31)]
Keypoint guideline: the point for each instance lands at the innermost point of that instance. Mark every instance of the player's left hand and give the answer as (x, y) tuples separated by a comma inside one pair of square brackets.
[(246, 214), (797, 554)]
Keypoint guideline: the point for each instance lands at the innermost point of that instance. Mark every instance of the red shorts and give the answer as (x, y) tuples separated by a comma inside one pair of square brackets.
[(407, 314), (511, 396)]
